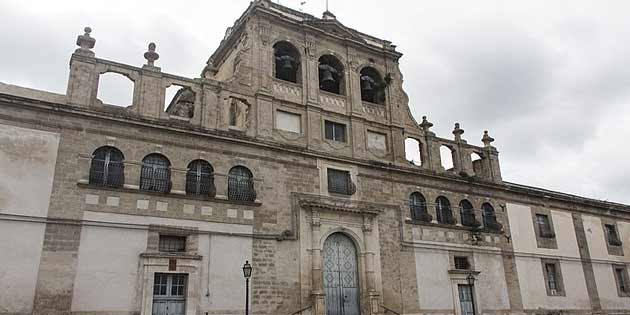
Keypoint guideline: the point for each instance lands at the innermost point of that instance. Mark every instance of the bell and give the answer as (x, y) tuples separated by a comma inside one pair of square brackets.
[(327, 77), (287, 65), (366, 83)]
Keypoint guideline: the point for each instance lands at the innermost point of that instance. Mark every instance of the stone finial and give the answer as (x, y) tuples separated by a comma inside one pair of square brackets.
[(151, 56), (209, 70), (85, 42), (487, 140), (328, 15), (458, 132), (425, 125)]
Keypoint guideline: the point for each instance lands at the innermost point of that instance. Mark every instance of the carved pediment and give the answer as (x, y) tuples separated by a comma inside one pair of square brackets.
[(336, 28), (341, 205)]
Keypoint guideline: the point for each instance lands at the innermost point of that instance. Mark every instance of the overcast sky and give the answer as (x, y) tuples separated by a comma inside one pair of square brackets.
[(550, 80)]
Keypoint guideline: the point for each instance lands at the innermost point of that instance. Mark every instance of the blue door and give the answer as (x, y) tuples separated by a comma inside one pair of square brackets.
[(340, 276)]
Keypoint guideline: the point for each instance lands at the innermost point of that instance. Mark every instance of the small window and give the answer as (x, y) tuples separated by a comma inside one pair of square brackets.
[(172, 244), (200, 179), (288, 121), (155, 174), (418, 207), (611, 233), (621, 277), (461, 263), (443, 209), (335, 131), (339, 182), (241, 184), (553, 278), (544, 226), (107, 167)]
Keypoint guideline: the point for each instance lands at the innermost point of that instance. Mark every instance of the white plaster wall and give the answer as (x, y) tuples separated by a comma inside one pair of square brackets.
[(534, 292), (434, 284), (607, 288), (108, 280), (20, 251), (491, 287), (227, 285), (27, 167), (524, 237), (107, 273), (597, 241)]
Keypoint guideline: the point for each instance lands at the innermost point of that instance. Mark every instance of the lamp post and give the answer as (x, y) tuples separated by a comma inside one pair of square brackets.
[(471, 281), (247, 272)]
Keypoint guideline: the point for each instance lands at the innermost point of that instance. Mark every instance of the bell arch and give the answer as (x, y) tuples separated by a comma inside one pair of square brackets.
[(287, 62), (331, 74), (372, 85)]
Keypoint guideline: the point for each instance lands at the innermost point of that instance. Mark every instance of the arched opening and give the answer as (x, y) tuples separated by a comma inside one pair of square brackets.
[(443, 210), (490, 221), (413, 151), (115, 89), (107, 167), (467, 214), (477, 163), (155, 174), (418, 208), (331, 76), (287, 62), (372, 86), (200, 179), (446, 157), (241, 184), (182, 101), (341, 275)]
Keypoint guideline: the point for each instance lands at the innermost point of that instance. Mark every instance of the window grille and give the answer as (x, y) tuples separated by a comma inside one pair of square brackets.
[(490, 218), (468, 214), (335, 131), (200, 179), (172, 244), (461, 263), (613, 237), (544, 226), (552, 277), (156, 173), (241, 184), (107, 168), (418, 207), (443, 209), (339, 182)]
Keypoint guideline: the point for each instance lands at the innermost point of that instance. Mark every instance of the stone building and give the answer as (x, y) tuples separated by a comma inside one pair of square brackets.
[(288, 152)]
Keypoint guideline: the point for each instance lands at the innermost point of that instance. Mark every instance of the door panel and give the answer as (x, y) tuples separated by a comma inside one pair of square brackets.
[(169, 294), (340, 276)]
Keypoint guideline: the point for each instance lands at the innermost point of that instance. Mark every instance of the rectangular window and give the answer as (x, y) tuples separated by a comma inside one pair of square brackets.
[(461, 263), (466, 299), (339, 182), (613, 237), (172, 244), (335, 131), (288, 121), (621, 277), (544, 226), (553, 277)]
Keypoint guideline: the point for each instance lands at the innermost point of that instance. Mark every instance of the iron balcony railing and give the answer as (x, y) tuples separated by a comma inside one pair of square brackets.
[(200, 184), (108, 174), (241, 189)]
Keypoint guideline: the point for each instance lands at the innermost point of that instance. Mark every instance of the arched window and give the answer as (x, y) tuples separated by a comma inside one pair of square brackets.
[(241, 184), (468, 214), (287, 62), (200, 179), (331, 74), (372, 86), (443, 210), (490, 218), (156, 173), (418, 207), (107, 168)]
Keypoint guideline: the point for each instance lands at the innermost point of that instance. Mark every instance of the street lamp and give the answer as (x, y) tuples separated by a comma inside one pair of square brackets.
[(471, 282), (247, 272)]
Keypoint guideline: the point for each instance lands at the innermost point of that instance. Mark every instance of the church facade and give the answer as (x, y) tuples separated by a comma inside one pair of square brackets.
[(289, 152)]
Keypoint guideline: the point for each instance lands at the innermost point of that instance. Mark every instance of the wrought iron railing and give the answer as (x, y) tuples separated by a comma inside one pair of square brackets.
[(155, 179), (339, 182), (108, 174), (241, 189), (200, 184)]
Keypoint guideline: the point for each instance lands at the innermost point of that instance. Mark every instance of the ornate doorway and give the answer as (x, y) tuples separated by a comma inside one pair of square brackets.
[(340, 276)]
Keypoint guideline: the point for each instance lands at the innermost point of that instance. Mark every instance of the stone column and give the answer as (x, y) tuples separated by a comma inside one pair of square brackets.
[(317, 287), (370, 248)]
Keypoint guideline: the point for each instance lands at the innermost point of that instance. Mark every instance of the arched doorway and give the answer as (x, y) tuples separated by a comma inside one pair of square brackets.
[(341, 276)]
